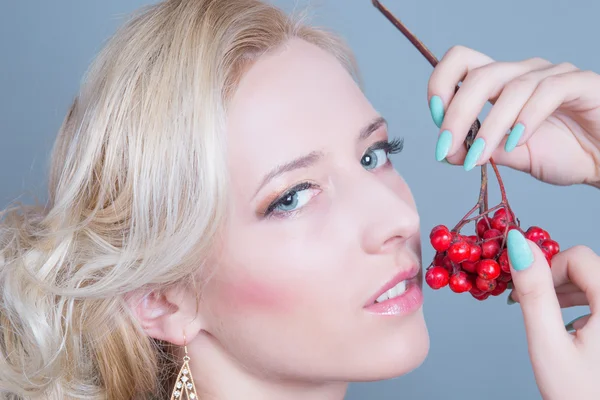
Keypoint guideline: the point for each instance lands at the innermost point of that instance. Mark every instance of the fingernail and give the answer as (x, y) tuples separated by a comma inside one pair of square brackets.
[(443, 145), (436, 107), (513, 137), (474, 154), (569, 326), (509, 300), (519, 253)]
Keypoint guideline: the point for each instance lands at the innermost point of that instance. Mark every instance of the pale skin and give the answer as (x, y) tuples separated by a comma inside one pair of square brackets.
[(284, 315)]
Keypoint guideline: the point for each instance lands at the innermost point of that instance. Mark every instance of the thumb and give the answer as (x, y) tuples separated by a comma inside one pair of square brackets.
[(532, 280)]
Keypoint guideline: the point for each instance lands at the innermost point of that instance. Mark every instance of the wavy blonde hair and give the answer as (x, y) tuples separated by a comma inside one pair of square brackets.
[(137, 193)]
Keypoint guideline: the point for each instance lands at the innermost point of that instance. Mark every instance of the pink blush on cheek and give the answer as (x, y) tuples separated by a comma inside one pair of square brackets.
[(245, 294)]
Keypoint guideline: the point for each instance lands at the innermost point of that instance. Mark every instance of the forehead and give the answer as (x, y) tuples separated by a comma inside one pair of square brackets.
[(290, 102)]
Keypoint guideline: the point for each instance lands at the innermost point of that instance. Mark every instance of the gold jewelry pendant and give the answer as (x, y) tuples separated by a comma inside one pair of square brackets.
[(184, 386)]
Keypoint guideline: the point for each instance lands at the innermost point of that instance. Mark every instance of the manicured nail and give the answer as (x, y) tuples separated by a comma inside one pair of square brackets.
[(510, 300), (519, 253), (443, 145), (436, 107), (569, 326), (513, 137), (474, 154)]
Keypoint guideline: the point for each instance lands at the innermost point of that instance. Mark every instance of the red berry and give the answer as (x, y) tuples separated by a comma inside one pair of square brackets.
[(503, 261), (486, 285), (481, 297), (459, 251), (439, 259), (482, 225), (438, 228), (460, 283), (437, 277), (550, 246), (504, 277), (471, 239), (490, 249), (440, 240), (469, 266), (494, 234), (488, 269), (500, 288), (478, 294), (474, 253), (448, 264), (501, 220), (537, 234)]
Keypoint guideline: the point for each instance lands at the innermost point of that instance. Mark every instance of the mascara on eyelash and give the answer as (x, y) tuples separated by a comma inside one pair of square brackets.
[(295, 189)]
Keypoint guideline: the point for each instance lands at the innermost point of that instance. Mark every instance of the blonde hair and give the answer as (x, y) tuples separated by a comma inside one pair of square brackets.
[(137, 193)]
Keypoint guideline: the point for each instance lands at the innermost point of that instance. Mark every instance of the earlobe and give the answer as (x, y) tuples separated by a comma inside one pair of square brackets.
[(166, 316)]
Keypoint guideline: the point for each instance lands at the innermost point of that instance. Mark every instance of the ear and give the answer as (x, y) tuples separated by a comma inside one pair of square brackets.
[(168, 315)]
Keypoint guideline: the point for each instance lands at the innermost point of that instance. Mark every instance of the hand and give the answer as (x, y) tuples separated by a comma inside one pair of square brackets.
[(552, 111), (566, 366)]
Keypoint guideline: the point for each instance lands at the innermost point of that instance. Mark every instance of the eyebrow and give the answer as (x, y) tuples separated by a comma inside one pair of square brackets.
[(315, 156)]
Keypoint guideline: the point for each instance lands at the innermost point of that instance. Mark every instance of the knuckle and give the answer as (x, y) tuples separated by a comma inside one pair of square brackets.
[(531, 293), (548, 83), (581, 251), (519, 83), (538, 61), (456, 51), (566, 66), (587, 74)]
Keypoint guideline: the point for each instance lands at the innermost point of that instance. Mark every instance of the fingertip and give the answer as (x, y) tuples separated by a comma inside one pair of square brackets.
[(436, 108), (513, 137), (520, 254)]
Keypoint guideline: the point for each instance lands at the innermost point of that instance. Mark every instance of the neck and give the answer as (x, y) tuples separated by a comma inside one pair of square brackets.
[(217, 376)]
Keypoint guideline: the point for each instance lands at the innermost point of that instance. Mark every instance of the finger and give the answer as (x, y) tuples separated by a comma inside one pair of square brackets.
[(533, 281), (481, 85), (565, 300), (565, 288), (575, 90), (450, 70), (578, 323), (507, 107)]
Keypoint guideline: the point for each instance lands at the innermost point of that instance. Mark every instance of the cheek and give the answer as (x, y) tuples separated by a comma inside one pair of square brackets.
[(244, 294)]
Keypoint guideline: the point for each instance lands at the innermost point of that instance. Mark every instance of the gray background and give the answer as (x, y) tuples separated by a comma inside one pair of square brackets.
[(478, 350)]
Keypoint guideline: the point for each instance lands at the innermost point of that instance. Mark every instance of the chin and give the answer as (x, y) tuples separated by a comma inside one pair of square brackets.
[(399, 353)]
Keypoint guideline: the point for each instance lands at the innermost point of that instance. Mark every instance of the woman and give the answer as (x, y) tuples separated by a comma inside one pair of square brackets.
[(223, 211)]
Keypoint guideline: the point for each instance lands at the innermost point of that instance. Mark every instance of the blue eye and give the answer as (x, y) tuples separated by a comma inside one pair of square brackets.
[(293, 200), (374, 158), (378, 154)]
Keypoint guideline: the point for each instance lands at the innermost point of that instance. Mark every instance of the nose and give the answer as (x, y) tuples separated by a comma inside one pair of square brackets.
[(386, 212)]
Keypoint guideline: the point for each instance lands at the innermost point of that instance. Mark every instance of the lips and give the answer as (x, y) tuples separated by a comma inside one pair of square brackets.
[(397, 285)]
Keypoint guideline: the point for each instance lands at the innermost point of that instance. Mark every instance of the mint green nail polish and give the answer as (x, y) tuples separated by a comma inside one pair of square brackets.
[(569, 326), (513, 137), (474, 154), (436, 107), (510, 300), (519, 253), (443, 145)]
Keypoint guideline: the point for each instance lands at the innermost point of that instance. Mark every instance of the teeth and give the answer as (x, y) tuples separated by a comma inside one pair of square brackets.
[(397, 290)]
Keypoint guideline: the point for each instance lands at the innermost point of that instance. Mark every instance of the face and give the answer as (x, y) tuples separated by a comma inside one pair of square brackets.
[(321, 225)]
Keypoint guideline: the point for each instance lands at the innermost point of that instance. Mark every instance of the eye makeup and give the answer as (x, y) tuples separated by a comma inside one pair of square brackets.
[(276, 204)]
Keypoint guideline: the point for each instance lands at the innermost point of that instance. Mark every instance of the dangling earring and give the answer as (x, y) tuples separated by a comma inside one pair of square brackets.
[(185, 381)]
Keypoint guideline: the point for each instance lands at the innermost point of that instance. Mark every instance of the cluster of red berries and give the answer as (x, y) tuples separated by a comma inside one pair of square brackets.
[(479, 263)]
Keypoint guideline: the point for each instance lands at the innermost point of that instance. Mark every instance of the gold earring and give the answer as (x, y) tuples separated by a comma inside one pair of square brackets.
[(185, 381)]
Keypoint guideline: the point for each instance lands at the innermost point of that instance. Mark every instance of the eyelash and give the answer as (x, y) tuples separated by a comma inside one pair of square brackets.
[(390, 146)]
